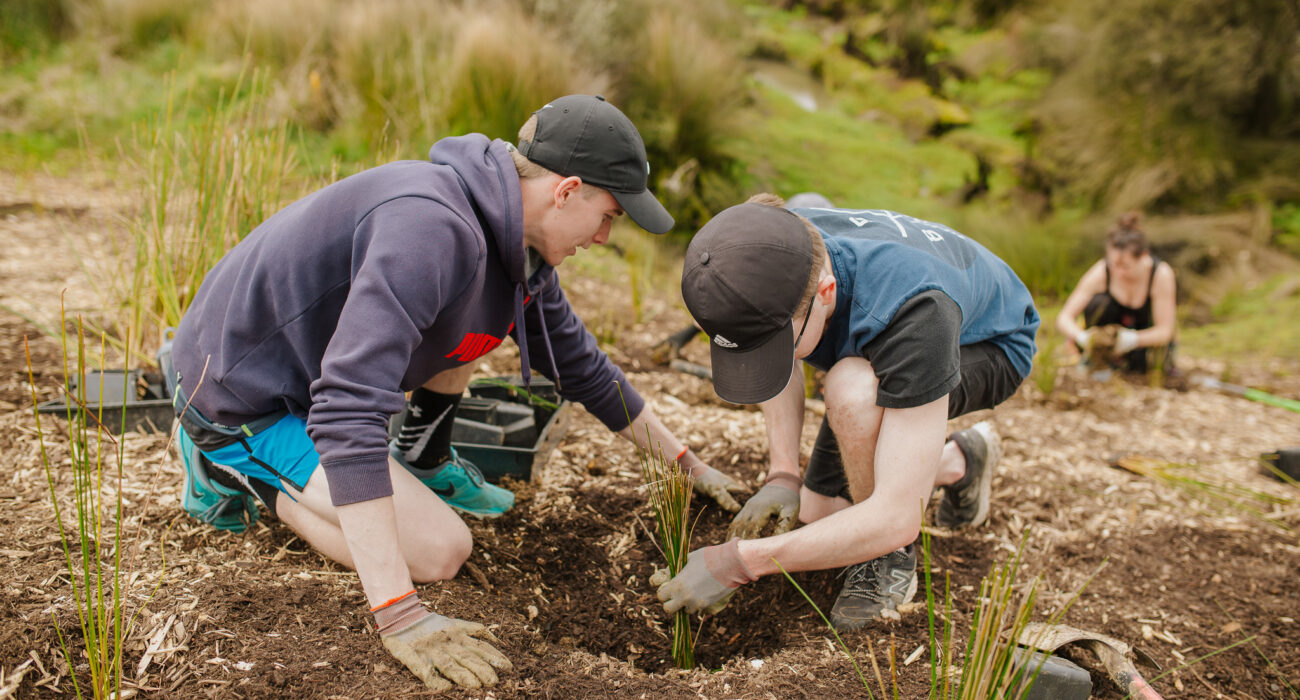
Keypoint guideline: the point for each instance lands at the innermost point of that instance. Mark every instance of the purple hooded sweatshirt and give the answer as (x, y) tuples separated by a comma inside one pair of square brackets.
[(365, 289)]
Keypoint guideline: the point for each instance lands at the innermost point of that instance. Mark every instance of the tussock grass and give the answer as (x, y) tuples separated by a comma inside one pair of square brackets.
[(207, 187), (502, 66), (132, 26)]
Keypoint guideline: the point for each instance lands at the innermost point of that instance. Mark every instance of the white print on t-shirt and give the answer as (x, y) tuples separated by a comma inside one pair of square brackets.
[(881, 224)]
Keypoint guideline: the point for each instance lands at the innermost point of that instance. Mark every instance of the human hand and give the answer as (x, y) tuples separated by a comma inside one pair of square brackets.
[(439, 650), (707, 582), (779, 497), (1126, 341), (717, 485)]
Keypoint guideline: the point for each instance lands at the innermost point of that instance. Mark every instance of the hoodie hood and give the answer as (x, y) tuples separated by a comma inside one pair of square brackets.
[(488, 175)]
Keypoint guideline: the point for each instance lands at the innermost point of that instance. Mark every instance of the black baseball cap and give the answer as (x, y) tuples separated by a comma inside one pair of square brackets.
[(744, 275), (587, 137)]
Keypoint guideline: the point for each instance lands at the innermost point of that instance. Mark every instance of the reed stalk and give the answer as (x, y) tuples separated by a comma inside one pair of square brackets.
[(93, 544)]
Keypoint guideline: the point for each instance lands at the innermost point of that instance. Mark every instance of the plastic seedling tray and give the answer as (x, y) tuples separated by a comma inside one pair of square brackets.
[(134, 395), (528, 432)]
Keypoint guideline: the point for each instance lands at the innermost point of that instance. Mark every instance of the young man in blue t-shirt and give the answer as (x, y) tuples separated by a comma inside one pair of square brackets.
[(914, 324)]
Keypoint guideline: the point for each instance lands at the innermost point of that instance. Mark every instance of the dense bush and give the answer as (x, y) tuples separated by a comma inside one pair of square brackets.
[(1168, 103)]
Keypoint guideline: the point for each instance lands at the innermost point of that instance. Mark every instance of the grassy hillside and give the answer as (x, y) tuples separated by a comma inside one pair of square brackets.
[(943, 111)]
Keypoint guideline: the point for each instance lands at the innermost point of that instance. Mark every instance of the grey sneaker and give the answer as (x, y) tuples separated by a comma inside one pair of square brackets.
[(966, 503), (874, 589)]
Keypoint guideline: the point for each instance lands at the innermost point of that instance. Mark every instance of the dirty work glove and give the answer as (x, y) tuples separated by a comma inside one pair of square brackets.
[(716, 485), (779, 497), (1083, 339), (440, 650), (707, 582), (1101, 345), (1126, 341)]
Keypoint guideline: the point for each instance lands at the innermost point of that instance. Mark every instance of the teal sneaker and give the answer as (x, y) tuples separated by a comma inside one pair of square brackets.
[(461, 485), (210, 502)]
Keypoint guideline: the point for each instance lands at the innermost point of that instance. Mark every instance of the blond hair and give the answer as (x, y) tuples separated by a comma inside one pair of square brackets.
[(527, 169), (818, 248)]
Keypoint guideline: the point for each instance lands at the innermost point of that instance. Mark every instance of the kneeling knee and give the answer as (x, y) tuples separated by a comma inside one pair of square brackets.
[(851, 385), (444, 561)]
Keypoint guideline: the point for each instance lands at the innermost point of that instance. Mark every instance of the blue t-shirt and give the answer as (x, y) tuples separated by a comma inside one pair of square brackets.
[(883, 260)]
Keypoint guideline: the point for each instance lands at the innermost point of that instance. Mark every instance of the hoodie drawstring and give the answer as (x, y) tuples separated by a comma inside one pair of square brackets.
[(521, 339)]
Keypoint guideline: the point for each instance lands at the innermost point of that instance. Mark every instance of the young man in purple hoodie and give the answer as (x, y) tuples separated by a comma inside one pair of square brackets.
[(302, 341)]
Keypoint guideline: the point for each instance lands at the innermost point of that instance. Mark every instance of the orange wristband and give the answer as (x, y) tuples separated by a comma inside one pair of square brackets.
[(681, 454), (381, 606)]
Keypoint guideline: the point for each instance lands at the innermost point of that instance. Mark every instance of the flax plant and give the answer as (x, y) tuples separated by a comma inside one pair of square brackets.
[(669, 489), (93, 544)]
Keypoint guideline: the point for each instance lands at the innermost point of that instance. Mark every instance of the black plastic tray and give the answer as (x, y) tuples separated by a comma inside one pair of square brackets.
[(523, 463), (130, 395)]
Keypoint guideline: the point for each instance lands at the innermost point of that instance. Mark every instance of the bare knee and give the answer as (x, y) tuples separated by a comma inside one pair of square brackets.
[(443, 560), (814, 506), (851, 387)]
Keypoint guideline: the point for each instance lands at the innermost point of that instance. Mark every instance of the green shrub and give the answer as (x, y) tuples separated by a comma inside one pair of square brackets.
[(1160, 97), (31, 26)]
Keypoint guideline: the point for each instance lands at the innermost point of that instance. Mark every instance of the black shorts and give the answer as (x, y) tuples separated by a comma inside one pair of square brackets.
[(987, 379)]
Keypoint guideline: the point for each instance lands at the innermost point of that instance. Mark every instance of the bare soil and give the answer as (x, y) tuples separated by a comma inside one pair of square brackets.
[(562, 578)]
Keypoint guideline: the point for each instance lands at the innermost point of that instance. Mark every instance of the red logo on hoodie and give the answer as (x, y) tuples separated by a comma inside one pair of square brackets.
[(474, 346)]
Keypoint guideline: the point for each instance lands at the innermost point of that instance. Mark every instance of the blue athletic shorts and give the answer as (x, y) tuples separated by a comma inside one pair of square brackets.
[(276, 455)]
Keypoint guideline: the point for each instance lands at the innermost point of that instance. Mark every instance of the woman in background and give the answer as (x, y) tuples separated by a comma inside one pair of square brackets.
[(1127, 303)]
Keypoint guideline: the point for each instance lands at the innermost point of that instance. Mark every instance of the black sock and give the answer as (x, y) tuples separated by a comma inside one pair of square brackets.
[(425, 434)]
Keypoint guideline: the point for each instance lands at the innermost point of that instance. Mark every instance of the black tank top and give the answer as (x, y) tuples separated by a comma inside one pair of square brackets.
[(1104, 310)]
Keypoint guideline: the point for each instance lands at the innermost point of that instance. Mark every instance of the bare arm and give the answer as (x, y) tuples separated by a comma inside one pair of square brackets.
[(907, 461), (1163, 310), (783, 415), (1093, 282), (660, 440), (370, 529)]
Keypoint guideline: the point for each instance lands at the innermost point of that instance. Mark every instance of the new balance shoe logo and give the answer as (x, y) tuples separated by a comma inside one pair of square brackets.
[(902, 580)]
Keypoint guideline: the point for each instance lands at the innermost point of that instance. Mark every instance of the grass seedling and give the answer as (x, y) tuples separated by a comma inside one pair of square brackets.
[(988, 670), (852, 659), (92, 547), (515, 390), (1219, 493), (669, 490)]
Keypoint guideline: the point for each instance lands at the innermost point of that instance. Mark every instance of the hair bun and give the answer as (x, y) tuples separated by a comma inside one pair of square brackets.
[(1130, 220)]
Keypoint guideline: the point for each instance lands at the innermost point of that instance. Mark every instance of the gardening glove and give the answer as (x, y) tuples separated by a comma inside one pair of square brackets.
[(716, 485), (1083, 339), (440, 650), (1125, 342), (779, 497), (707, 582)]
